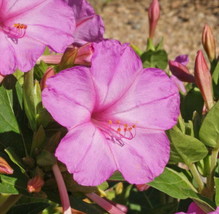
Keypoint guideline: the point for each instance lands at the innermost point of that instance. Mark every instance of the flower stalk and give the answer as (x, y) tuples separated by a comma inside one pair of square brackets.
[(62, 190)]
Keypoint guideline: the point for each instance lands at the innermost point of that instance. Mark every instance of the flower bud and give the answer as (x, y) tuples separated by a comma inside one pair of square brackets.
[(49, 73), (153, 16), (203, 79), (84, 55), (181, 71), (208, 42), (4, 167), (142, 187), (35, 184)]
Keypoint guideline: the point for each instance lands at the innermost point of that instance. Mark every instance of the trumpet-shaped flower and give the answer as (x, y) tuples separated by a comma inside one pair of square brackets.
[(116, 114), (27, 27), (89, 26)]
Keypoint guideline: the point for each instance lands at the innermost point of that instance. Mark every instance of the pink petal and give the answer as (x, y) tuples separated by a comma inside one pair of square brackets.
[(8, 62), (89, 29), (114, 66), (50, 22), (81, 8), (69, 96), (144, 157), (85, 152), (151, 102)]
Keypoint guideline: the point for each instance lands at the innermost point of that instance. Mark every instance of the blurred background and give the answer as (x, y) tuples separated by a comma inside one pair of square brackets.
[(180, 25)]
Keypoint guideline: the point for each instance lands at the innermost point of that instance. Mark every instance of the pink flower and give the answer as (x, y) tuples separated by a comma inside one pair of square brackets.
[(89, 26), (27, 27), (116, 114), (194, 209)]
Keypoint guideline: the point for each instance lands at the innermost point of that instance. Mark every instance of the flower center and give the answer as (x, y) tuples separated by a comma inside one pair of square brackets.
[(116, 131), (15, 32)]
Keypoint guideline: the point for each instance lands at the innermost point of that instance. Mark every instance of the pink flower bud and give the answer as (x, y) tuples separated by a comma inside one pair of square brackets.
[(84, 55), (50, 59), (1, 78), (181, 71), (142, 187), (49, 73), (35, 184), (208, 42), (153, 16), (203, 79), (4, 167)]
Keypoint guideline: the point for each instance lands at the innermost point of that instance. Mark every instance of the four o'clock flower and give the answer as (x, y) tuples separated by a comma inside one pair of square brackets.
[(89, 26), (203, 79), (116, 114), (27, 27), (153, 17)]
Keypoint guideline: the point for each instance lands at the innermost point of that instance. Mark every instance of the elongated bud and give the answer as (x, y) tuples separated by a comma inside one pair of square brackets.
[(203, 79), (208, 42), (142, 187), (4, 167), (50, 59), (181, 71), (153, 16), (84, 55), (35, 184), (49, 73)]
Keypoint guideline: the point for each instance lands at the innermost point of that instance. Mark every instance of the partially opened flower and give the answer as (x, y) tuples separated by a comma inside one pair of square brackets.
[(89, 26), (27, 27), (116, 114)]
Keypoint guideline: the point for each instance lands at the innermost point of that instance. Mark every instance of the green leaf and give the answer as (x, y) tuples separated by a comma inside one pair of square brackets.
[(117, 176), (177, 185), (8, 120), (185, 148), (216, 180), (209, 131), (155, 59), (192, 102)]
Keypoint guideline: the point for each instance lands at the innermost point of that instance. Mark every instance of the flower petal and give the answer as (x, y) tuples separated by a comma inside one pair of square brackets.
[(8, 62), (151, 102), (85, 152), (113, 68), (69, 96), (50, 22), (143, 158), (89, 29)]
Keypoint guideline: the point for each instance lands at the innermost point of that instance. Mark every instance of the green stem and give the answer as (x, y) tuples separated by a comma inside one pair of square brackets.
[(196, 177), (213, 164), (11, 200)]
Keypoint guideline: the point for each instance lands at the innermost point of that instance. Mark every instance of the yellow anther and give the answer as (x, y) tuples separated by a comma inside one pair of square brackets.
[(20, 26), (119, 130), (134, 126), (130, 128), (110, 122), (126, 125), (118, 122)]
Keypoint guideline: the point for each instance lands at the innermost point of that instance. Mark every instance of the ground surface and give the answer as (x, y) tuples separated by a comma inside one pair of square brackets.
[(180, 24)]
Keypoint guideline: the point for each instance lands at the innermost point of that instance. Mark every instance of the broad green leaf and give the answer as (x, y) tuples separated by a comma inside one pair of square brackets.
[(192, 102), (216, 180), (177, 185), (117, 176), (155, 59), (185, 148), (209, 131), (8, 120)]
